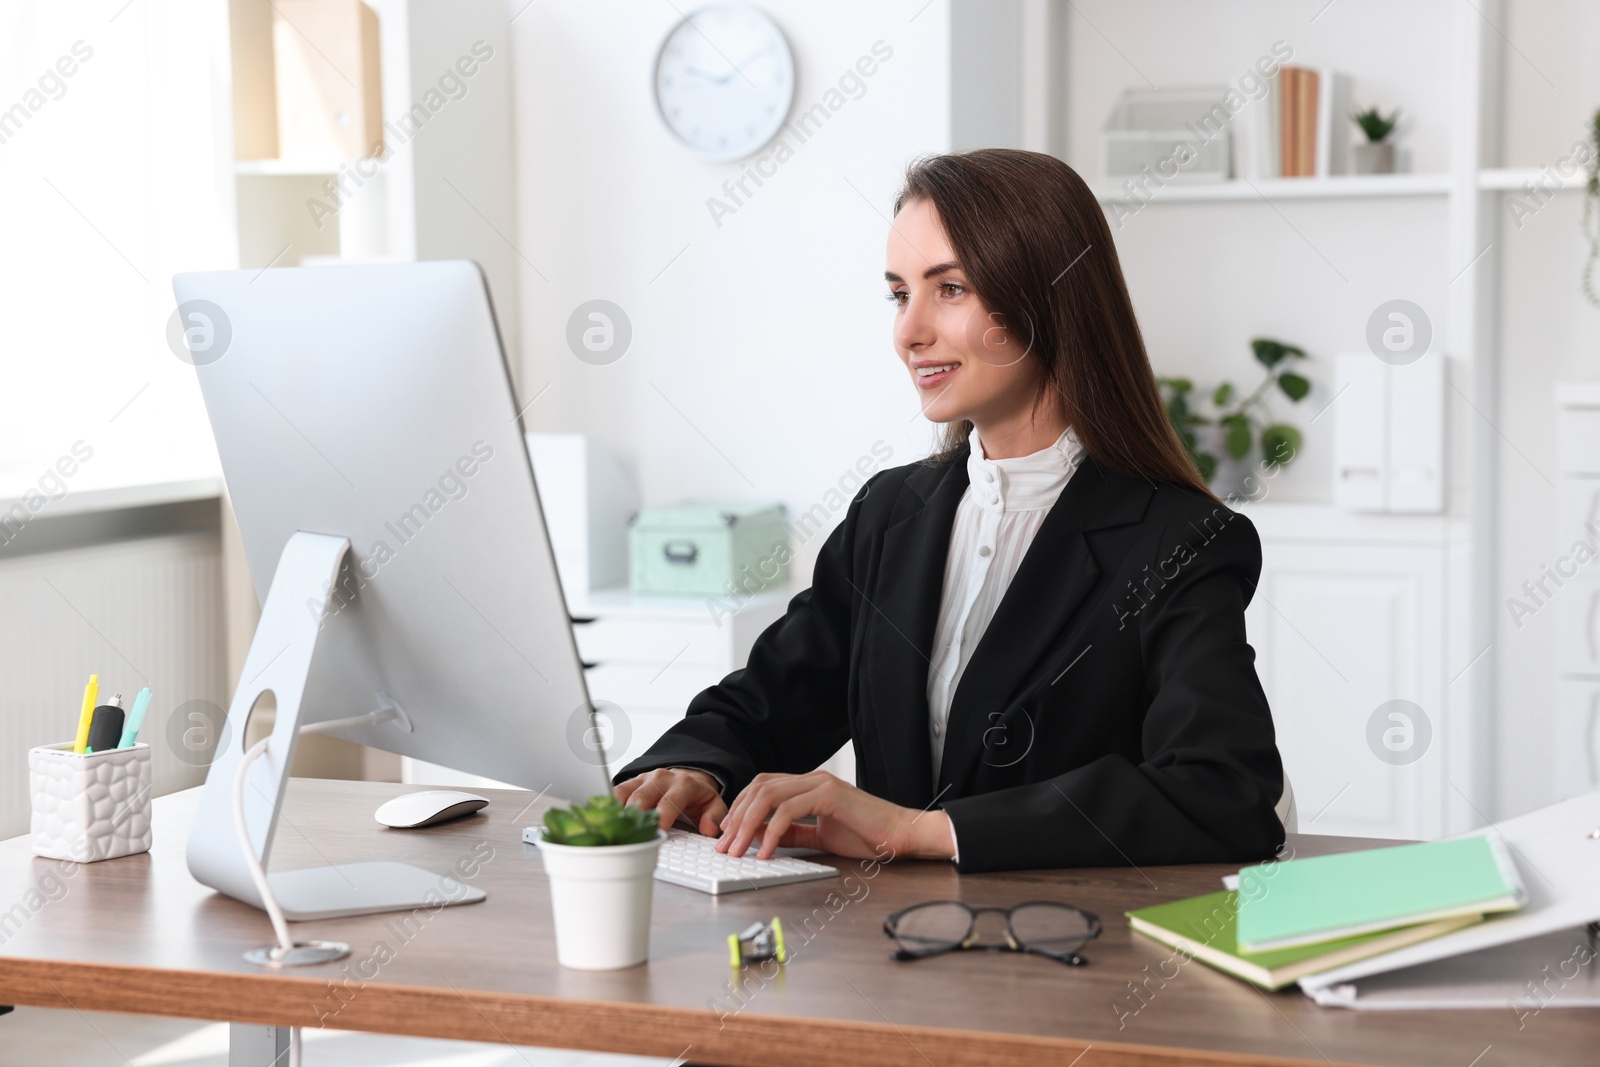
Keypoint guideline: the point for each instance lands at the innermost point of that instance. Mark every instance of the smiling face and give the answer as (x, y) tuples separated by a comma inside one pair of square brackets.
[(964, 363)]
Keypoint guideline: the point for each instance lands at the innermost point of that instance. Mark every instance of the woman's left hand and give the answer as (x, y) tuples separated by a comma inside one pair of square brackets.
[(850, 821)]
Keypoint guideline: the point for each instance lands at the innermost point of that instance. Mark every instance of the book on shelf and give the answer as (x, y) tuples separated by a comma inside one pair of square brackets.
[(1271, 131), (1333, 123), (1288, 121), (1298, 128), (1256, 138), (1305, 123), (1205, 928), (1311, 136)]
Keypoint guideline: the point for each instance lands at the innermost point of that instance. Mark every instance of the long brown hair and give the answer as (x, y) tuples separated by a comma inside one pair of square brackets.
[(1037, 251)]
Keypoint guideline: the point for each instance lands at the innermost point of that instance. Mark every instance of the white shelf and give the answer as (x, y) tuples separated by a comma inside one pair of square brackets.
[(285, 168), (1514, 178), (1338, 186)]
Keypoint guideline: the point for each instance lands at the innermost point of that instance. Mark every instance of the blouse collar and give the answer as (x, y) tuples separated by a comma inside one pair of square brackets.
[(1022, 483)]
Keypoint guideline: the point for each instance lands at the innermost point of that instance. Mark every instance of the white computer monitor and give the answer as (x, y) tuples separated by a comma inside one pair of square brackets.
[(373, 404)]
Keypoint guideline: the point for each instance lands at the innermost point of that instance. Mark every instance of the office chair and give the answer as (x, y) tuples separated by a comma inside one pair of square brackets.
[(1285, 808)]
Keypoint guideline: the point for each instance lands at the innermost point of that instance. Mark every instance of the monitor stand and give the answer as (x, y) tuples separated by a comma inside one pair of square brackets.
[(279, 662)]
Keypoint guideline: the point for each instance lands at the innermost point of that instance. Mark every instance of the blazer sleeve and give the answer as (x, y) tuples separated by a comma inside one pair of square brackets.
[(1210, 777), (786, 710)]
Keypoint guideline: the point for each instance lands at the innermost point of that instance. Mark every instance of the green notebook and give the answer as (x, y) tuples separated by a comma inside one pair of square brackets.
[(1311, 901), (1203, 927)]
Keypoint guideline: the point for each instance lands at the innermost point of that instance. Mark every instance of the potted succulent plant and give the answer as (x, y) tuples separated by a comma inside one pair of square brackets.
[(1220, 443), (1376, 156), (600, 857)]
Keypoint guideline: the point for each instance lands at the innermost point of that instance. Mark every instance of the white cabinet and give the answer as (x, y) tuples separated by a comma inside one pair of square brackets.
[(1572, 582), (1351, 636), (647, 656)]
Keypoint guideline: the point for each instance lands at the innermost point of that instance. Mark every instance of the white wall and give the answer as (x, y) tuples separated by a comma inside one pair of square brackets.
[(761, 364)]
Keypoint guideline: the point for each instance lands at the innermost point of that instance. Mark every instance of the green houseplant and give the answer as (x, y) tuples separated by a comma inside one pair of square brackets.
[(601, 821), (1376, 156), (600, 857), (1220, 441)]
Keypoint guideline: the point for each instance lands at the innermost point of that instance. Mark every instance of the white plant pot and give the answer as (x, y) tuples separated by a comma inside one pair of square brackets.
[(601, 898), (1374, 158)]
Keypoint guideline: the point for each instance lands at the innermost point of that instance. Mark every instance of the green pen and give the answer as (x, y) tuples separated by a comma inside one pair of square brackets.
[(130, 732)]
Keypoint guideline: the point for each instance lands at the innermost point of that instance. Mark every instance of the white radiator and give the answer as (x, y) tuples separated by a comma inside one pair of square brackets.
[(146, 612)]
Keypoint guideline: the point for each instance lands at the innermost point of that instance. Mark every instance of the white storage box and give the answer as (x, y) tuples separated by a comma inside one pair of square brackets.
[(1147, 126), (90, 806)]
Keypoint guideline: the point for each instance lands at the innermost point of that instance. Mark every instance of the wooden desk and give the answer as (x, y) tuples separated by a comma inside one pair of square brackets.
[(139, 935)]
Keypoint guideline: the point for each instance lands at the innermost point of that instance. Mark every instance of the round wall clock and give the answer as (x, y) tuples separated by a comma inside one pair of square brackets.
[(724, 81)]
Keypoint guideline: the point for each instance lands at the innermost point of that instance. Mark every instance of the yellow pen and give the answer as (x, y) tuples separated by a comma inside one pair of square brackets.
[(91, 693)]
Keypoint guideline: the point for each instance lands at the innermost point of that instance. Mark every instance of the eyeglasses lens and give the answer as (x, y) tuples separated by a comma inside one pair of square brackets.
[(932, 926), (1050, 927)]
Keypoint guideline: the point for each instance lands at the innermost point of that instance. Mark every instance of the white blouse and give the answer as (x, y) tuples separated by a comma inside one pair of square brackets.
[(1005, 504)]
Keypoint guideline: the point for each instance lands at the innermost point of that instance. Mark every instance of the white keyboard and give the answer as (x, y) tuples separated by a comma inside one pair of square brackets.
[(690, 859)]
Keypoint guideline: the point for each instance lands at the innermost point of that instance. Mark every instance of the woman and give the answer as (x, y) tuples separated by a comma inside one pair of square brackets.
[(1034, 640)]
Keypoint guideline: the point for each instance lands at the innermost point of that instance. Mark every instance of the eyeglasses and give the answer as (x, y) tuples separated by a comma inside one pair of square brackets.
[(1042, 927)]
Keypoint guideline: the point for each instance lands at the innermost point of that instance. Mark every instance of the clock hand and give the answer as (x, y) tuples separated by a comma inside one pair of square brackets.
[(757, 54), (738, 68)]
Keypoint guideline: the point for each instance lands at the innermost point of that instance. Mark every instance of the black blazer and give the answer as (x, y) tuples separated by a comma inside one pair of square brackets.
[(1109, 715)]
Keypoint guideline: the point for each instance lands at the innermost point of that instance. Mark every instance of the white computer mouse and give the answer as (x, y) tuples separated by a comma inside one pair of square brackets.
[(430, 806)]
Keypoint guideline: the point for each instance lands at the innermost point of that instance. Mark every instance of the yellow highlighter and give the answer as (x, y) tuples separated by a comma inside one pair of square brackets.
[(91, 693)]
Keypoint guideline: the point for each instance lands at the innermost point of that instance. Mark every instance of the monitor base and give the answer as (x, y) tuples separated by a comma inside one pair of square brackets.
[(241, 809), (365, 888)]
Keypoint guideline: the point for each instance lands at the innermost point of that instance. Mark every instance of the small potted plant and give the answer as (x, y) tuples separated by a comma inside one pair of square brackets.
[(1219, 443), (601, 860), (1376, 156)]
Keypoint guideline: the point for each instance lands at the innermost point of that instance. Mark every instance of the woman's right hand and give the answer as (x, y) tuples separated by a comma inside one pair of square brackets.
[(675, 791)]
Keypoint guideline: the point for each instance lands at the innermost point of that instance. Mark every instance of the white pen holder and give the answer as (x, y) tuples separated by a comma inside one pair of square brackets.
[(90, 806)]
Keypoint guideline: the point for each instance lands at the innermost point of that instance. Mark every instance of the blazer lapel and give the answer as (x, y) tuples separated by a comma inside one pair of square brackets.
[(909, 588), (1057, 572)]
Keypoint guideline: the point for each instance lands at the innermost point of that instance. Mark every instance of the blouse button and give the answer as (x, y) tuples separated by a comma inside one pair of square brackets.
[(983, 550)]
